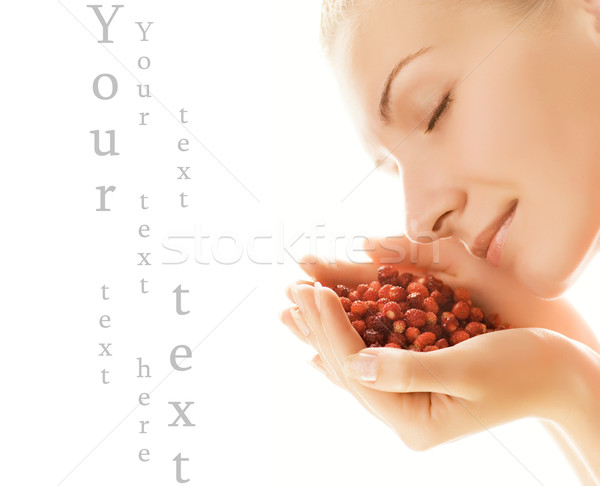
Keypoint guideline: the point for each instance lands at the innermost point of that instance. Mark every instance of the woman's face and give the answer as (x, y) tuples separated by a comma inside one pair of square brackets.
[(522, 127)]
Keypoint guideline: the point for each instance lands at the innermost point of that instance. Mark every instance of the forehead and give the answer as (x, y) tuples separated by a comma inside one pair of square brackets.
[(383, 33), (378, 37)]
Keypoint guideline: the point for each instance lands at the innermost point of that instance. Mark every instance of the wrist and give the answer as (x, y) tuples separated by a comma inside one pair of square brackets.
[(584, 386), (565, 376), (578, 417)]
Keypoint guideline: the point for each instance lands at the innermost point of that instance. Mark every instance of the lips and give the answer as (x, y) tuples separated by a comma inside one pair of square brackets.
[(482, 242)]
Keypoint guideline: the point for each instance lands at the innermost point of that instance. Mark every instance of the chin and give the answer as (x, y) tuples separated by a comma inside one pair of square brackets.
[(549, 281), (548, 269), (544, 288)]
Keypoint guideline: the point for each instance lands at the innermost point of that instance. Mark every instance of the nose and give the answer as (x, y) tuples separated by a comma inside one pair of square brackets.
[(431, 209)]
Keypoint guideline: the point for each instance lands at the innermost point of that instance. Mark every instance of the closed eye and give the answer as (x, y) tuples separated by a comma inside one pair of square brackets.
[(439, 111)]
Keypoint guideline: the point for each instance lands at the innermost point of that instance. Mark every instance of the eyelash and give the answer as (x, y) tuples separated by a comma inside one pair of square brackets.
[(439, 111)]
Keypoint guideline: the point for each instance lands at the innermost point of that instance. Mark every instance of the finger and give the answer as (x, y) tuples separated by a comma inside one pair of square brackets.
[(288, 292), (396, 370), (342, 340), (292, 318), (295, 323), (440, 257), (304, 296), (318, 364), (331, 274), (309, 304), (337, 329), (390, 249), (482, 365)]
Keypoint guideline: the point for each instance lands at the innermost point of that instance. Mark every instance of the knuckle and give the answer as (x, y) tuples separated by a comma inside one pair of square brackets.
[(396, 369)]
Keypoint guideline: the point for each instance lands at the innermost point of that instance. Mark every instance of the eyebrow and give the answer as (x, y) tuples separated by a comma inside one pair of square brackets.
[(384, 102)]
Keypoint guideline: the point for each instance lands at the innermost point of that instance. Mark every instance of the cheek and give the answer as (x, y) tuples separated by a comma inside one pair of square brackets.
[(507, 136), (494, 125), (553, 236)]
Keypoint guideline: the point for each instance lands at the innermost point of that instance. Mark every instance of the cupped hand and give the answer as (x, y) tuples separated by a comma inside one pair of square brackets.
[(430, 398)]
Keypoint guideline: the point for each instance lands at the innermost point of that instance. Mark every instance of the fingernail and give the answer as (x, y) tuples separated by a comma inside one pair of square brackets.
[(362, 366), (300, 322), (296, 296), (317, 288)]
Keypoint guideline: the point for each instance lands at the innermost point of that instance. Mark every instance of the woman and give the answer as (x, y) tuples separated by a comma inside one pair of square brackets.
[(491, 111)]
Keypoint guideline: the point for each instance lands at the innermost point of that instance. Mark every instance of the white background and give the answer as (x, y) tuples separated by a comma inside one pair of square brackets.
[(261, 98)]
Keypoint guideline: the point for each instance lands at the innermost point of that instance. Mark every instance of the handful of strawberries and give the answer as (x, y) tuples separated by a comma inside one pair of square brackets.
[(416, 312)]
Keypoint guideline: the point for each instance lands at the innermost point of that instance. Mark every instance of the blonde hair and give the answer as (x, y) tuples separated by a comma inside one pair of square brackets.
[(337, 15)]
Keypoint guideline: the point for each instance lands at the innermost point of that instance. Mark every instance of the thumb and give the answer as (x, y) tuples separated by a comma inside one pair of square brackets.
[(403, 371)]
